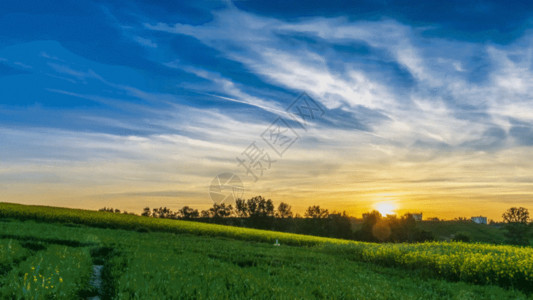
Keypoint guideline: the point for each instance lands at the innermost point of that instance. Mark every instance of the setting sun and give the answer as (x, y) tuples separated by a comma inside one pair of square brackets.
[(385, 208)]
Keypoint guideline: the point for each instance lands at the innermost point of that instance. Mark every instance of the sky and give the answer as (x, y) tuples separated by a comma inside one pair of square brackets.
[(347, 105)]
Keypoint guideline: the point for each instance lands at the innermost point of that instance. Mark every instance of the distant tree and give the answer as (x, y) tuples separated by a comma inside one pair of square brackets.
[(241, 208), (316, 221), (164, 213), (366, 233), (109, 209), (222, 210), (381, 230), (411, 233), (517, 229), (284, 211), (339, 225), (315, 212), (155, 212), (260, 207), (146, 212), (205, 214), (375, 228), (188, 213), (516, 215), (260, 212)]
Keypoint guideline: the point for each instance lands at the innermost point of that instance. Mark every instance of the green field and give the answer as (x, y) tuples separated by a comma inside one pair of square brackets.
[(52, 253)]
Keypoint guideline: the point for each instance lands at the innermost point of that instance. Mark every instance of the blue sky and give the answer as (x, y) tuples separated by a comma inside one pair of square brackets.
[(110, 104)]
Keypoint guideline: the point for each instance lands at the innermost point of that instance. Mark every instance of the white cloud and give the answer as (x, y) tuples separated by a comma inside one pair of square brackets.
[(420, 116), (145, 42)]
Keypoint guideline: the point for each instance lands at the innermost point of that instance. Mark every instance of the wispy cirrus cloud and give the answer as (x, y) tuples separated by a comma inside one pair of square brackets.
[(443, 104)]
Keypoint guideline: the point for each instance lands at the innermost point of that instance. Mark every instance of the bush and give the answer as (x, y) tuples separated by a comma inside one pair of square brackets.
[(461, 237)]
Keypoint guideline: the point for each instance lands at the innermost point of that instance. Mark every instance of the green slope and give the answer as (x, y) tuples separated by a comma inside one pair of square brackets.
[(169, 266), (154, 251)]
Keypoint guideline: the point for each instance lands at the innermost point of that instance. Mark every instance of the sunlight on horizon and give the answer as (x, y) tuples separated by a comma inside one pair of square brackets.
[(386, 208)]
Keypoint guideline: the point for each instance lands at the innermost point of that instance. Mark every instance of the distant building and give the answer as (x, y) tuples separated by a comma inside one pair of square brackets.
[(417, 217), (479, 220), (435, 219)]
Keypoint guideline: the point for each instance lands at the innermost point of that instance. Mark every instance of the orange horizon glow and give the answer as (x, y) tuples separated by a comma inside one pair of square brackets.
[(443, 211), (446, 188)]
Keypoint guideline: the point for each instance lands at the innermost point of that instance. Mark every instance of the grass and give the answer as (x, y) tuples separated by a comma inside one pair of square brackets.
[(11, 252), (169, 266), (179, 259), (57, 272)]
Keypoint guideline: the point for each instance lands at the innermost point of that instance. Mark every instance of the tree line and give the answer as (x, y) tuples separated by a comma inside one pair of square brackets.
[(258, 212)]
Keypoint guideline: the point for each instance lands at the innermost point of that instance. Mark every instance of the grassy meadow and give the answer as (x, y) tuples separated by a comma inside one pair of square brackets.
[(52, 253)]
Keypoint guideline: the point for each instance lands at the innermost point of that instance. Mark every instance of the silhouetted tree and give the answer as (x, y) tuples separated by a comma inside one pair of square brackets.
[(146, 212), (516, 215), (260, 207), (339, 225), (284, 211), (205, 214), (164, 213), (188, 213), (222, 210), (316, 212), (517, 229), (408, 224), (258, 211), (382, 230), (375, 228), (110, 209), (315, 222), (366, 231), (241, 208)]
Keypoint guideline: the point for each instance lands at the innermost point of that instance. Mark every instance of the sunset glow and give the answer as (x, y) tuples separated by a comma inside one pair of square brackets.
[(386, 208)]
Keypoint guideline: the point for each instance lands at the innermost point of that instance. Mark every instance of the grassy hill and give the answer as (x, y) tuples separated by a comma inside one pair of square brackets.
[(47, 251), (445, 230)]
